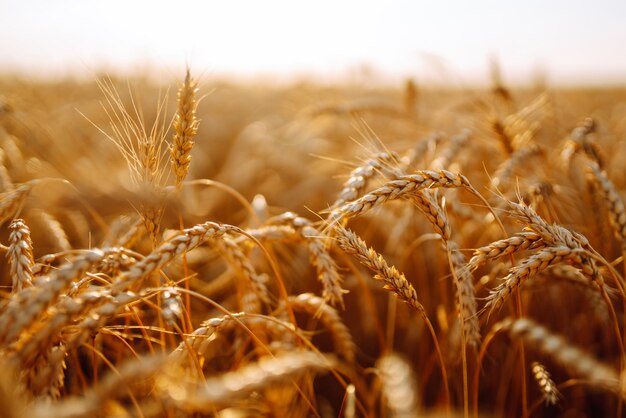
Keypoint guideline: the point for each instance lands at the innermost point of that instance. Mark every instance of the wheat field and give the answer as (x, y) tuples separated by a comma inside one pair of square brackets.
[(199, 248)]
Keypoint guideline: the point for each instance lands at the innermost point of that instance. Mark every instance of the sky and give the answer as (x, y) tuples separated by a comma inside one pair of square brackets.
[(564, 42)]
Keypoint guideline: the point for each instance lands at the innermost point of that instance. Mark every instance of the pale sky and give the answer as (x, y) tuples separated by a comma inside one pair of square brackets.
[(449, 41)]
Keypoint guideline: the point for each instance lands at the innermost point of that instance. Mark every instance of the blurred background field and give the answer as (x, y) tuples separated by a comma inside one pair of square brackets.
[(296, 106)]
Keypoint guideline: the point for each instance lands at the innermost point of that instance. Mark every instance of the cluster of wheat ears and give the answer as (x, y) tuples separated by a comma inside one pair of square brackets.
[(247, 259)]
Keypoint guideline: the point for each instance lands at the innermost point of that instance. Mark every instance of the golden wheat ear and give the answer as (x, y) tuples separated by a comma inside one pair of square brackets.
[(185, 129)]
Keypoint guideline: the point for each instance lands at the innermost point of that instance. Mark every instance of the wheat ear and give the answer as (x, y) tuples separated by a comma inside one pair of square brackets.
[(360, 176), (393, 280), (547, 386), (24, 307), (399, 385), (255, 281), (521, 241), (185, 129), (465, 295), (404, 186), (13, 200), (6, 184), (327, 272), (111, 386), (189, 239), (529, 268), (238, 384), (561, 350), (316, 306), (20, 255), (613, 201)]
